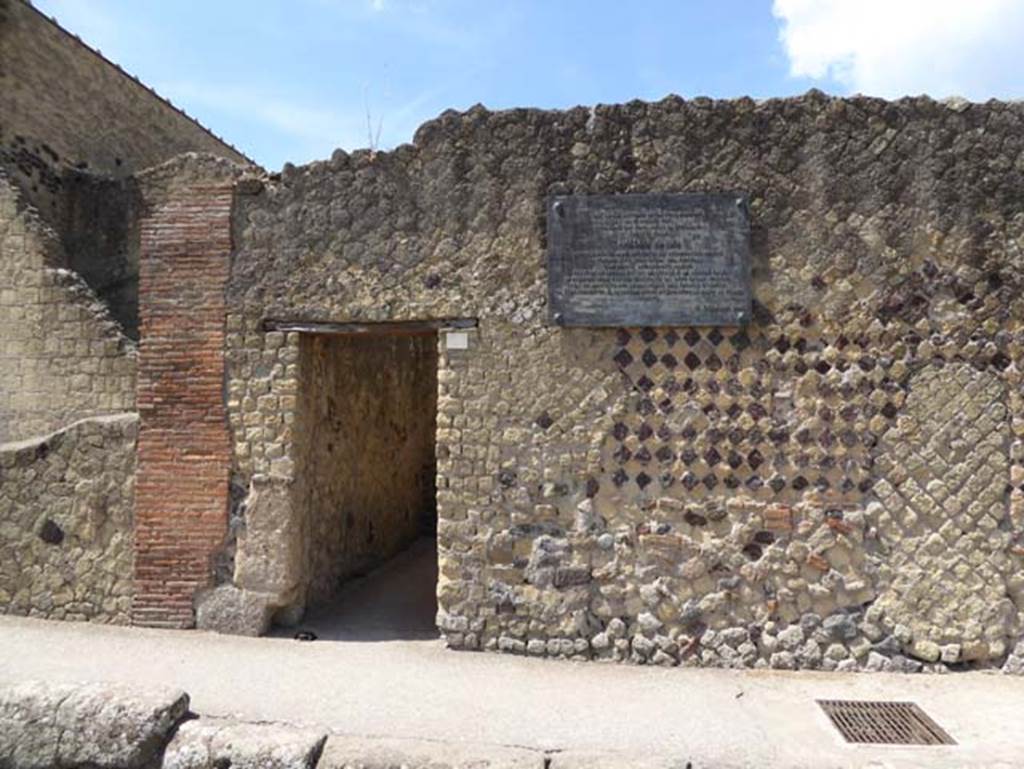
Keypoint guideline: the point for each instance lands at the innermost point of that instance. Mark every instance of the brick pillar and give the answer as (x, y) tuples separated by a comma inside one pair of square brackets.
[(181, 492)]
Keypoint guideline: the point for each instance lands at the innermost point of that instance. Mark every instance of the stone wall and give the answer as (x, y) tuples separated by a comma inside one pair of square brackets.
[(365, 420), (62, 357), (73, 127), (99, 228), (789, 493), (61, 101), (66, 522)]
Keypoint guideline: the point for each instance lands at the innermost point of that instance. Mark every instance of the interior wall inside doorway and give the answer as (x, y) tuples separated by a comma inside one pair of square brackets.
[(366, 424)]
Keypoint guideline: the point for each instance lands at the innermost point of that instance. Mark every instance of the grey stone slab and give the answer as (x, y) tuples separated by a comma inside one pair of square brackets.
[(210, 744), (106, 726), (229, 609)]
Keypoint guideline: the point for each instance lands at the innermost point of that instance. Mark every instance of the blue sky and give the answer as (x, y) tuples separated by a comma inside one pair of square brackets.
[(293, 79)]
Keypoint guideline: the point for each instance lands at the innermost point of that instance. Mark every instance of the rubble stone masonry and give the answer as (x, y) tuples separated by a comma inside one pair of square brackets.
[(836, 485), (66, 521)]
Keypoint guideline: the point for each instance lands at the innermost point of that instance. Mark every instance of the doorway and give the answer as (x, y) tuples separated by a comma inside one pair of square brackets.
[(365, 423)]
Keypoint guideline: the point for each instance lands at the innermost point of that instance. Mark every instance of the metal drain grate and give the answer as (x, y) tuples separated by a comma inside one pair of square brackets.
[(884, 723)]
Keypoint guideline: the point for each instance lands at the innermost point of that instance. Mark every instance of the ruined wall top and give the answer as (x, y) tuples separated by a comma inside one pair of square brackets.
[(848, 197)]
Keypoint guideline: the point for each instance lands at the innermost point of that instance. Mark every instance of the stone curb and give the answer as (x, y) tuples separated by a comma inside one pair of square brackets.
[(103, 726), (112, 726), (212, 744), (344, 752)]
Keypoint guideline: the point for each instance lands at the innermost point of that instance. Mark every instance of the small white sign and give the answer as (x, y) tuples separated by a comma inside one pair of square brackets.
[(456, 340)]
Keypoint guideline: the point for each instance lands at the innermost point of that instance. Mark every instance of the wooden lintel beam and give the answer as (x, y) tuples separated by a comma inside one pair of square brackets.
[(384, 327)]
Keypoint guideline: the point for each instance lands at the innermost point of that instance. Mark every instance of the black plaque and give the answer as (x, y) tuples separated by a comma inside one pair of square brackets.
[(649, 260)]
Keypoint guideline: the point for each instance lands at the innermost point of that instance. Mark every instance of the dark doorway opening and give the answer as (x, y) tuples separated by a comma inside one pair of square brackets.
[(366, 468)]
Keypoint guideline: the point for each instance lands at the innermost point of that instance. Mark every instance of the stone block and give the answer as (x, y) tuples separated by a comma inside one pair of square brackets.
[(103, 726), (214, 744), (268, 557), (229, 609), (1015, 662)]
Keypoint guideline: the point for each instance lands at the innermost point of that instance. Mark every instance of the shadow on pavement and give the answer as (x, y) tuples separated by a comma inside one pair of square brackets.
[(396, 601)]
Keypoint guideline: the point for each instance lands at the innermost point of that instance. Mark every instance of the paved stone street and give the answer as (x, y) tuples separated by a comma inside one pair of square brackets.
[(417, 689)]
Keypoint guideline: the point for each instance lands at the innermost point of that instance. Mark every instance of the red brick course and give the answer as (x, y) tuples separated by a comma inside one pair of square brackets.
[(181, 496)]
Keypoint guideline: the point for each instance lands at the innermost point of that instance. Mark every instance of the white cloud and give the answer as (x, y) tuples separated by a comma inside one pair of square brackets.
[(892, 48)]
